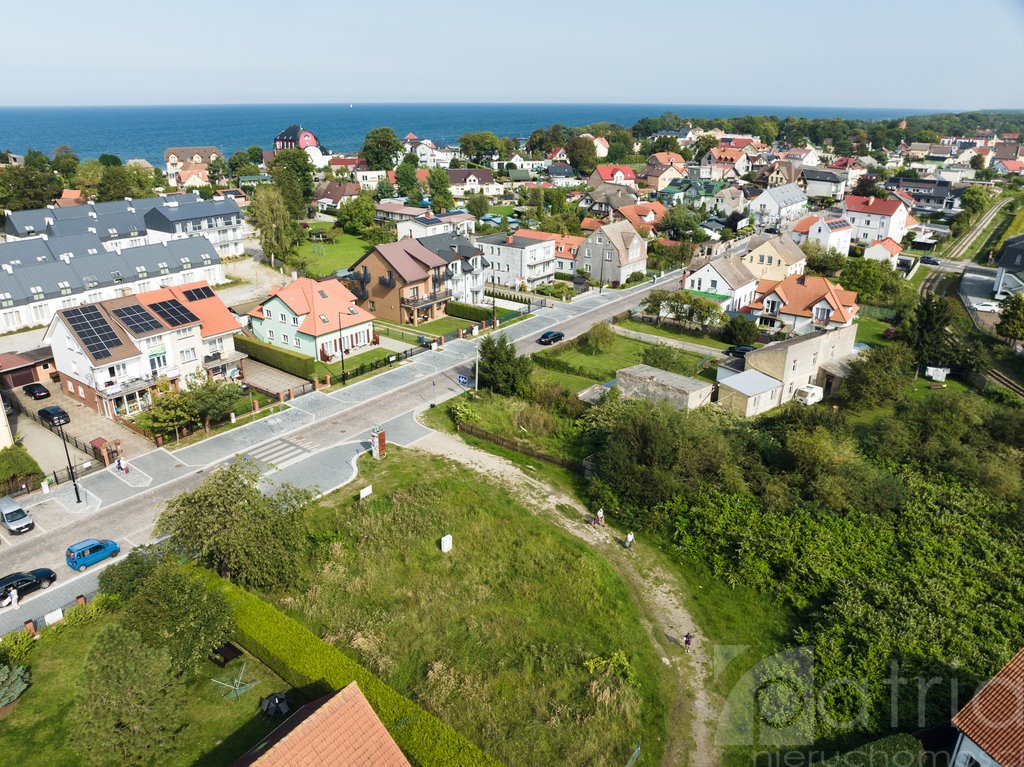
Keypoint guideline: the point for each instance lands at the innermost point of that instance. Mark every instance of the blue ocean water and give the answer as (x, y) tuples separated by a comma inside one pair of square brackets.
[(145, 131)]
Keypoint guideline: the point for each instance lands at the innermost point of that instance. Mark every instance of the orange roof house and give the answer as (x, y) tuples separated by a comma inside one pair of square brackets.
[(802, 304), (566, 245), (339, 730), (614, 173), (644, 216), (991, 720), (311, 301)]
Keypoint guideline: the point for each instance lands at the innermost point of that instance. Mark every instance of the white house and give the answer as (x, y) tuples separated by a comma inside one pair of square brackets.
[(827, 231), (465, 181), (779, 204), (517, 261), (874, 218), (887, 251), (803, 304), (431, 223), (220, 221), (368, 179), (468, 268), (821, 182), (724, 280), (989, 724), (613, 252)]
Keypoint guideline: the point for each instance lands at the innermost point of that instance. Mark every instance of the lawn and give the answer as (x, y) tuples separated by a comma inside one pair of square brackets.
[(443, 326), (674, 331), (326, 258), (493, 637), (602, 366), (352, 362), (501, 210), (568, 381), (870, 329), (41, 730), (920, 276)]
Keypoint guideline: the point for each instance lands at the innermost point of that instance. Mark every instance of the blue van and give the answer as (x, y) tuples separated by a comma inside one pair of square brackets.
[(88, 552)]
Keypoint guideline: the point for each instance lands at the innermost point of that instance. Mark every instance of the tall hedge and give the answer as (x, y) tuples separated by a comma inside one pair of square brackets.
[(467, 311), (894, 750), (283, 359), (305, 661)]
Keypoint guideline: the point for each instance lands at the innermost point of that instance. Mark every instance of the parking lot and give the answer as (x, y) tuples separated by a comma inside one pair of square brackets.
[(44, 445)]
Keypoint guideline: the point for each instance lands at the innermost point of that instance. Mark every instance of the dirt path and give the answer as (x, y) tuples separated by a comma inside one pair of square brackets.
[(656, 590)]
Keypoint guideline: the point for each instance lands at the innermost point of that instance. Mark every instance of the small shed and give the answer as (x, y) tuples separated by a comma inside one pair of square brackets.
[(749, 393), (653, 384)]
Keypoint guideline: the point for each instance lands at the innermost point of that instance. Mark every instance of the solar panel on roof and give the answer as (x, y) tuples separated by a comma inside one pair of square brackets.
[(137, 319), (196, 294), (93, 329), (173, 313)]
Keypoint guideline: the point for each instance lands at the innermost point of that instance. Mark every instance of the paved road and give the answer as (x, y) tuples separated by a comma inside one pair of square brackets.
[(313, 443)]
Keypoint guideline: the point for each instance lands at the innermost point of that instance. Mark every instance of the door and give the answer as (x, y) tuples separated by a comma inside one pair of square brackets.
[(25, 586)]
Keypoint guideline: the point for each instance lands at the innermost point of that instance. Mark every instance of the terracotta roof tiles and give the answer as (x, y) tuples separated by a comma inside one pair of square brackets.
[(992, 718)]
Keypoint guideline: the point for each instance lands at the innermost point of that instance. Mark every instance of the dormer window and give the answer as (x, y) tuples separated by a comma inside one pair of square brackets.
[(65, 288), (116, 277), (37, 293), (90, 281), (162, 266)]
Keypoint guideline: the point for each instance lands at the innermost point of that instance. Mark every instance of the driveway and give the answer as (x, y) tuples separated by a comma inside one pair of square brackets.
[(268, 379), (44, 445)]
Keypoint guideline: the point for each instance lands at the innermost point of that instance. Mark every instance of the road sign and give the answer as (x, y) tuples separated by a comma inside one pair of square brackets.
[(463, 380)]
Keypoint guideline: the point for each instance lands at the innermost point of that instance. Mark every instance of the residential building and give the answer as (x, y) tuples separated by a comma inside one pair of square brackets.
[(874, 218), (667, 158), (778, 205), (519, 261), (557, 155), (331, 195), (39, 277), (622, 175), (566, 248), (220, 221), (469, 269), (600, 144), (295, 137), (193, 176), (656, 385), (849, 167), (803, 304), (989, 725), (176, 157), (338, 730), (730, 200), (734, 162), (779, 173), (748, 393), (1008, 167), (605, 198), (644, 216), (110, 354), (403, 282), (317, 318), (465, 181), (823, 183), (1010, 268), (368, 179), (928, 194), (887, 251), (562, 175), (431, 223), (698, 194), (828, 231), (801, 156), (723, 279), (613, 252), (428, 153), (394, 212), (657, 177)]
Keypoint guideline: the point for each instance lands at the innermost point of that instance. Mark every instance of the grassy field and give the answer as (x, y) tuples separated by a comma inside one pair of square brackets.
[(869, 331), (442, 326), (568, 381), (602, 366), (501, 210), (673, 331), (494, 637), (343, 252), (41, 729), (352, 362)]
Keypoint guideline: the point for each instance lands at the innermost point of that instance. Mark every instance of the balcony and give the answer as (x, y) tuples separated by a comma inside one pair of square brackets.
[(770, 310), (387, 282), (127, 385), (360, 292), (442, 277), (361, 276), (433, 298)]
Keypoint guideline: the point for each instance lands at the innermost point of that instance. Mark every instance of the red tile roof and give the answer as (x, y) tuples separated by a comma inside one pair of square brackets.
[(607, 172), (554, 152), (589, 224), (727, 155), (992, 718), (666, 158), (565, 244), (874, 205), (803, 226), (799, 293), (340, 730), (637, 214), (318, 300), (215, 317), (890, 245)]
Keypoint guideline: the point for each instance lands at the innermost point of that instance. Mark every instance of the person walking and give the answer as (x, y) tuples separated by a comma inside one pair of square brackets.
[(14, 598), (629, 539), (600, 517), (687, 641), (120, 466)]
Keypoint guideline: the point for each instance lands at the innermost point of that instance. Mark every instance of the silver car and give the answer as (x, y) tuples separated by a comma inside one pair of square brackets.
[(13, 517)]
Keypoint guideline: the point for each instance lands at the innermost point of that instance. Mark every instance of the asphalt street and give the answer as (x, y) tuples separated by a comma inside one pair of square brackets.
[(312, 443)]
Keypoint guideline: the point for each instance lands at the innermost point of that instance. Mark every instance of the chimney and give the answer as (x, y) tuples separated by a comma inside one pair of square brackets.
[(871, 200), (508, 238)]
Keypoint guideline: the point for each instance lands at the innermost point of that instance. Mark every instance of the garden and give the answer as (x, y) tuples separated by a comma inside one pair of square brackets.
[(337, 250)]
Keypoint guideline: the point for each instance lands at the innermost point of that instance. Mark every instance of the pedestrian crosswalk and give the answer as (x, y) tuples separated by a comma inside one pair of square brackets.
[(279, 453)]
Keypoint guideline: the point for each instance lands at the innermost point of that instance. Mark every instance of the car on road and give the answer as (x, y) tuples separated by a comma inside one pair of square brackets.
[(90, 551), (54, 416), (27, 582), (987, 306), (739, 351), (930, 260), (14, 518), (551, 337), (36, 391)]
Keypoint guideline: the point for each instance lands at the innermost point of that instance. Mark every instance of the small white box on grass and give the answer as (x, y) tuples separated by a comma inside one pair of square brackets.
[(446, 544), (366, 492), (55, 617)]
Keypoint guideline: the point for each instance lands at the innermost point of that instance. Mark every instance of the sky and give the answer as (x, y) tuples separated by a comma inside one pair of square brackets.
[(866, 53)]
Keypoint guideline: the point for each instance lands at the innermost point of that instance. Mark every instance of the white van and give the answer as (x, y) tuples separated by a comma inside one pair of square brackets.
[(13, 517), (808, 395)]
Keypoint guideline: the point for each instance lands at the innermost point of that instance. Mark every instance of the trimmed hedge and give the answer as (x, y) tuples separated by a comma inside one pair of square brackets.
[(305, 661), (891, 751), (283, 359), (467, 311), (521, 298)]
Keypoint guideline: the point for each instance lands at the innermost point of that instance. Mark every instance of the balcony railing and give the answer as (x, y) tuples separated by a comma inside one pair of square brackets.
[(126, 385), (433, 298), (361, 276), (771, 311), (360, 292), (387, 282)]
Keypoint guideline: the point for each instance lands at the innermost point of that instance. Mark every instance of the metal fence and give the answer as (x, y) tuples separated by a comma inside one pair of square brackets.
[(30, 611), (85, 447)]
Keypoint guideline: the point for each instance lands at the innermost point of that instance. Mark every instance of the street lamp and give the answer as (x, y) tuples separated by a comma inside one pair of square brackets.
[(71, 470)]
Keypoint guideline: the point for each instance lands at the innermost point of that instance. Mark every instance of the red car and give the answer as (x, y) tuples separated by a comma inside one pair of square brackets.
[(890, 333)]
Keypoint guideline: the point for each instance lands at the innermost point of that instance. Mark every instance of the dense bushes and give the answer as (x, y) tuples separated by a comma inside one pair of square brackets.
[(467, 311), (307, 662), (17, 466), (283, 359), (894, 751)]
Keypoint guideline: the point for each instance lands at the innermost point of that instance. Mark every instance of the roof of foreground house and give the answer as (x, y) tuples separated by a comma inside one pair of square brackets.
[(327, 306), (874, 205), (735, 274), (607, 172), (751, 383), (206, 152), (800, 293), (410, 259), (992, 718), (622, 235)]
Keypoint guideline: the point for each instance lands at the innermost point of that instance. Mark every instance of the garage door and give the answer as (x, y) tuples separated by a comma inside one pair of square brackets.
[(12, 379)]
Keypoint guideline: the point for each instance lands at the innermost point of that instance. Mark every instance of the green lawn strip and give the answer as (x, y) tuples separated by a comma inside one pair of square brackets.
[(568, 381), (990, 237), (41, 729), (230, 282), (673, 331), (915, 389), (443, 326), (501, 210), (503, 624), (621, 353), (352, 362), (342, 253), (870, 329), (919, 277)]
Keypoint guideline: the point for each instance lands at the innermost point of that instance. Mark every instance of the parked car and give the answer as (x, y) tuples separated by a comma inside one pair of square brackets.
[(739, 351), (890, 332), (930, 260), (987, 306), (13, 517), (36, 391), (54, 415), (28, 582), (7, 405), (551, 337), (88, 552)]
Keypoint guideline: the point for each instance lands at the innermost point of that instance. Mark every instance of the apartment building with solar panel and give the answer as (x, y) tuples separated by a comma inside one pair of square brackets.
[(110, 355)]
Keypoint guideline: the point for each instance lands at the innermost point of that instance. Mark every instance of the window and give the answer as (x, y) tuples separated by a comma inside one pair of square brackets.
[(373, 306), (282, 316), (284, 338), (215, 345), (157, 361), (65, 288), (760, 259), (116, 277), (184, 332), (295, 319), (267, 314), (270, 335), (295, 341), (188, 355), (714, 284)]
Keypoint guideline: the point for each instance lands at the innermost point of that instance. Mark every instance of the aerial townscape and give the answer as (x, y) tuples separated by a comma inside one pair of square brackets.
[(464, 435)]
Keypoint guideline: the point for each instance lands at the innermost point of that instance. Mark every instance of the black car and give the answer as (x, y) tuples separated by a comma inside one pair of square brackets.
[(28, 582), (930, 260), (54, 416), (551, 337), (36, 391), (739, 351)]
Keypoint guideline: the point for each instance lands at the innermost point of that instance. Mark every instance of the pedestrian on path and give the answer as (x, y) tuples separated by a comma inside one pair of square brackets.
[(629, 540), (687, 641), (14, 598), (120, 467), (600, 517)]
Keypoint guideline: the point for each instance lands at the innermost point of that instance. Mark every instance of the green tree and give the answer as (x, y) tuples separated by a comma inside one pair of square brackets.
[(275, 226), (683, 223), (582, 155), (384, 190), (175, 610), (248, 536), (128, 706), (405, 179), (878, 375), (66, 163), (298, 161), (740, 331), (237, 161), (255, 154), (974, 200), (480, 146), (356, 216), (927, 329), (290, 187), (127, 575), (25, 188), (556, 200), (478, 204), (381, 148), (1011, 323), (598, 337), (217, 170), (37, 161), (109, 160), (704, 144), (656, 303), (440, 190), (213, 399), (978, 162), (825, 262), (169, 413), (16, 463), (501, 370), (115, 184), (13, 682)]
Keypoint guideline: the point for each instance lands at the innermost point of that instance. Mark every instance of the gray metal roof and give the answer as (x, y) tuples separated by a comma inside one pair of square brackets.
[(25, 223), (42, 249), (813, 174), (163, 217), (786, 194), (449, 246), (751, 383)]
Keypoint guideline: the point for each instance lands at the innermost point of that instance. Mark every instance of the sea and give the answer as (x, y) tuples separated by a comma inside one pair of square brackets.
[(146, 131)]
